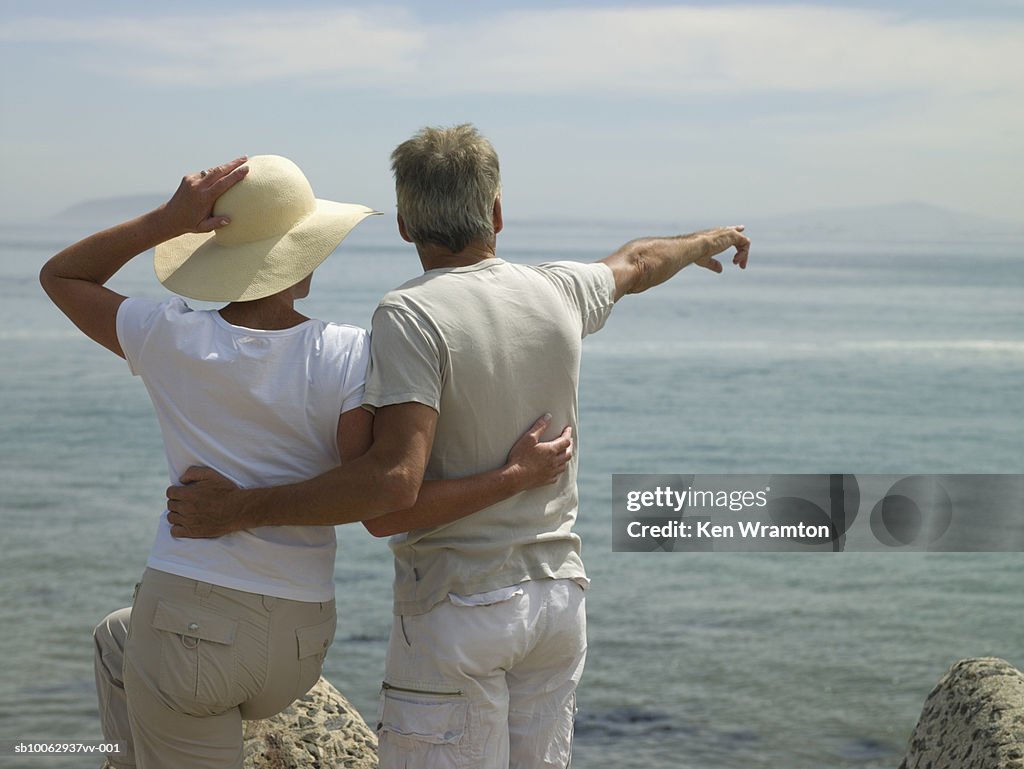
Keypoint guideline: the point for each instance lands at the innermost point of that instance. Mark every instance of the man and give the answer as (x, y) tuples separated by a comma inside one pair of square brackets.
[(488, 641)]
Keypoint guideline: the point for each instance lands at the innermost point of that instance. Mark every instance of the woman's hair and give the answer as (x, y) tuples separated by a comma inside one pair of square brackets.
[(447, 180)]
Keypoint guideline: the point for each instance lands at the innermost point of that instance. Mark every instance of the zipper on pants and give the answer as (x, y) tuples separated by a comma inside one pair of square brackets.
[(389, 687)]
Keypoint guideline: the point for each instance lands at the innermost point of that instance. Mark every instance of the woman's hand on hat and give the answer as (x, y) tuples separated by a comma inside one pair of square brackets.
[(190, 209)]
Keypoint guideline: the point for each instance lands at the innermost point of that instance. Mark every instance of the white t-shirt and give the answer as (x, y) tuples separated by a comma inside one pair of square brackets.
[(260, 407)]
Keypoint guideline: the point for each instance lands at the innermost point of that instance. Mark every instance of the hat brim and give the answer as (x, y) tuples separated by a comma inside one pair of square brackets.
[(199, 266)]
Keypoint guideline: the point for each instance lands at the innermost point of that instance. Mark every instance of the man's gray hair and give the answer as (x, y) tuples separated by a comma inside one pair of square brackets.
[(447, 180)]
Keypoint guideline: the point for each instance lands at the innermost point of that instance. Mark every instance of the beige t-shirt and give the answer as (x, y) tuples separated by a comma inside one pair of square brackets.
[(491, 347)]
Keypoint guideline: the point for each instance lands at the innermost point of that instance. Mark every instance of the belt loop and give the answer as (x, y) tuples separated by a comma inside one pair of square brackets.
[(203, 589), (269, 602)]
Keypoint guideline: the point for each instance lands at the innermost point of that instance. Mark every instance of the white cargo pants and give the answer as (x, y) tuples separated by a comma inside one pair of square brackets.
[(485, 687)]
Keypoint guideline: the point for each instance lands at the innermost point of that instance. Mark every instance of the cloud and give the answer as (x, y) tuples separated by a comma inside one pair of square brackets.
[(213, 51), (660, 52), (801, 102)]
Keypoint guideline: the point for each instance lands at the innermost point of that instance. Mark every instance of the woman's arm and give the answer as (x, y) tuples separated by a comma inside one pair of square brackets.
[(530, 463), (74, 279)]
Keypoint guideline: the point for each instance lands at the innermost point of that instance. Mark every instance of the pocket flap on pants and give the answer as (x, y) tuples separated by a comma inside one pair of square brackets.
[(439, 720), (194, 622), (316, 638)]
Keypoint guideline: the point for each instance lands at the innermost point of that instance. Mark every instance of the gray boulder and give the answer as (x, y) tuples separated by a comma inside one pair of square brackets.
[(320, 731), (973, 719)]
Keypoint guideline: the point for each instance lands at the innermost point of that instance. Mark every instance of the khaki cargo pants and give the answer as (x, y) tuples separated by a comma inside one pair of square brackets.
[(177, 672)]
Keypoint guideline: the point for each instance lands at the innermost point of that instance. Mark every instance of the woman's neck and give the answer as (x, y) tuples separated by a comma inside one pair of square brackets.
[(271, 313)]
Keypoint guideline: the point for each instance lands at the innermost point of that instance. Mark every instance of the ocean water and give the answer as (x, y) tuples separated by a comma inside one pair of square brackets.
[(821, 357)]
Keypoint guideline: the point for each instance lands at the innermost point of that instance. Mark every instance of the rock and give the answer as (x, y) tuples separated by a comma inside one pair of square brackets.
[(320, 731), (973, 719)]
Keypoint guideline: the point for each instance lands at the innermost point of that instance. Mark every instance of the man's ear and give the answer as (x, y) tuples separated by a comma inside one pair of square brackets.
[(402, 230), (498, 222)]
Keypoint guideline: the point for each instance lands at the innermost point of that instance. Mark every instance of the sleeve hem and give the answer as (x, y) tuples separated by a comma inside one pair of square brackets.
[(373, 403)]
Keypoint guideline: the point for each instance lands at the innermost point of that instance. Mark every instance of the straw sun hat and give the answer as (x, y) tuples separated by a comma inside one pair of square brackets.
[(279, 233)]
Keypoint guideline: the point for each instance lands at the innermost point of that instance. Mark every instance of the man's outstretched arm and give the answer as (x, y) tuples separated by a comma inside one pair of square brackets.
[(646, 262)]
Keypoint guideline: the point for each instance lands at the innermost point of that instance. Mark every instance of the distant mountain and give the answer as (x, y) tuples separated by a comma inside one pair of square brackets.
[(910, 222), (895, 223), (99, 213)]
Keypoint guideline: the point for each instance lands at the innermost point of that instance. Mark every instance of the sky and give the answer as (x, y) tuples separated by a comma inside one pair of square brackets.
[(598, 110)]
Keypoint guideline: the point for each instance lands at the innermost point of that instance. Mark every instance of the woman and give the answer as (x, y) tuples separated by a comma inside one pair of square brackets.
[(237, 626)]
